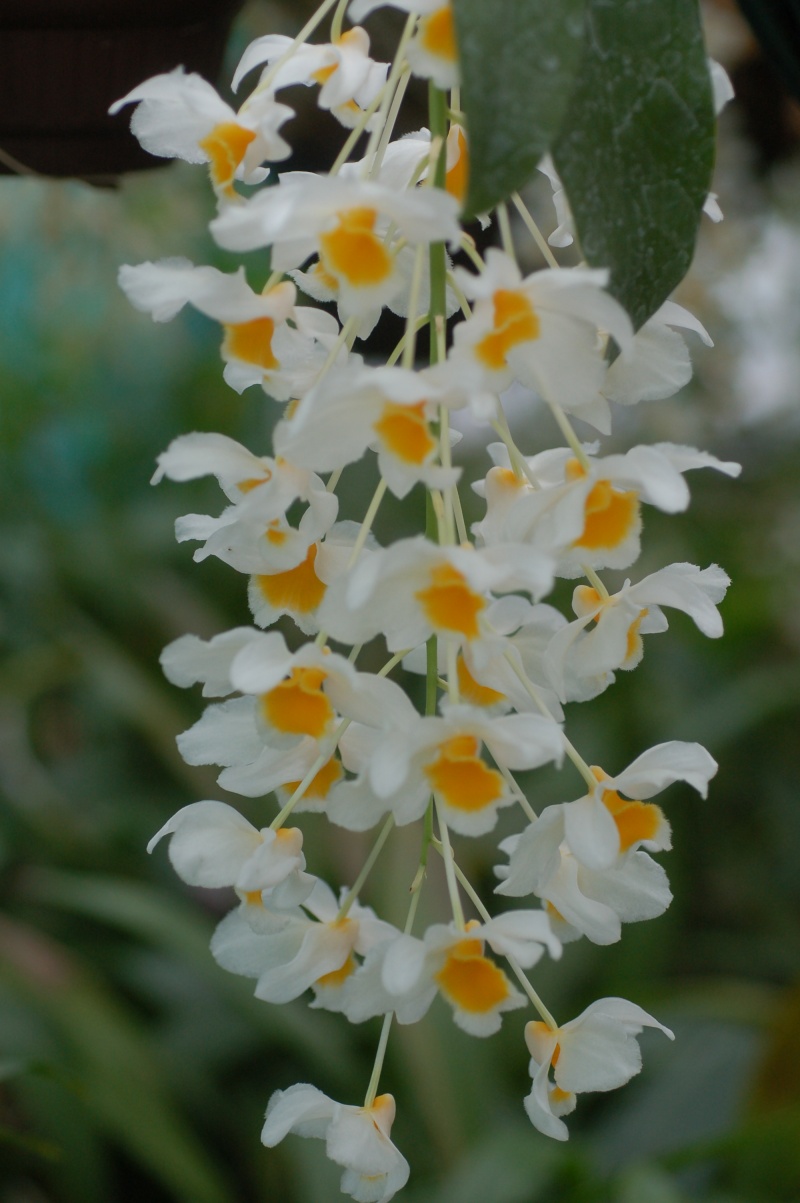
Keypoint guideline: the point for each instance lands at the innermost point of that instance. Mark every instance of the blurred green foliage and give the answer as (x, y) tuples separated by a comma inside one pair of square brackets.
[(131, 1066)]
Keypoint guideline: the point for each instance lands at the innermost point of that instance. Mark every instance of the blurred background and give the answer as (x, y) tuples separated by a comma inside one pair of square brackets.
[(131, 1067)]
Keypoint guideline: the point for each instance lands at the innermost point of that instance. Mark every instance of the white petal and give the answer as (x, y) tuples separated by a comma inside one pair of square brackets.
[(657, 366), (537, 1107), (239, 948), (302, 1109), (597, 1054), (592, 917), (262, 664), (591, 833), (403, 965), (189, 659), (322, 951), (536, 855), (522, 935), (207, 453), (175, 112), (269, 768), (210, 843), (687, 458), (658, 767), (354, 1140), (695, 591), (225, 734), (637, 889)]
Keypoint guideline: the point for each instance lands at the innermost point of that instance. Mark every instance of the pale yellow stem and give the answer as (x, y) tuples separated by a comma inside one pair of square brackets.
[(366, 525), (450, 869), (358, 885), (533, 229)]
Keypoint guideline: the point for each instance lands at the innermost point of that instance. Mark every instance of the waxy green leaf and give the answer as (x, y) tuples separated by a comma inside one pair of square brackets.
[(519, 60), (636, 149)]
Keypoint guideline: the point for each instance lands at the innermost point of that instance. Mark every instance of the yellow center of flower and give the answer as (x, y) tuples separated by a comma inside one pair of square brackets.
[(323, 75), (353, 251), (471, 690), (298, 706), (226, 146), (382, 1113), (291, 836), (508, 479), (450, 604), (587, 599), (298, 590), (339, 976), (403, 430), (457, 177), (247, 486), (634, 641), (515, 322), (543, 1030), (251, 342), (437, 34), (470, 981), (275, 533), (324, 781), (461, 778), (349, 36), (611, 514), (634, 820)]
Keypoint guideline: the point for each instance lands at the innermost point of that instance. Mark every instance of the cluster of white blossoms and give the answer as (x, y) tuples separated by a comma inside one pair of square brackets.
[(299, 719)]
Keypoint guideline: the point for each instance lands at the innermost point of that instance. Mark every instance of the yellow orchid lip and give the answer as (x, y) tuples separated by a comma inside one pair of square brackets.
[(636, 821), (403, 430), (515, 321), (298, 590), (226, 147), (470, 981), (298, 706), (611, 517), (251, 342), (437, 34), (461, 778), (322, 783), (353, 252), (450, 604)]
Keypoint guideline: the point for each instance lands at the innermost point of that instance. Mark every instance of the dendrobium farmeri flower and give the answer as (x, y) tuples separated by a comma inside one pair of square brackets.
[(293, 712)]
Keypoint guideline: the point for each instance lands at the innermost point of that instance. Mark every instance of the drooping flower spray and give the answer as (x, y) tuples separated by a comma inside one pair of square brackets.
[(308, 729)]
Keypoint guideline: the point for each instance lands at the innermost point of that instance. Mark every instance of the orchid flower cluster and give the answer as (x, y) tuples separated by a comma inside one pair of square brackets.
[(464, 607)]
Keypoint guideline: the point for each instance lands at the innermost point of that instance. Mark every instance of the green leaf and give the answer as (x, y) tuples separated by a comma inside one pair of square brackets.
[(32, 1145), (636, 150), (518, 61), (169, 923), (124, 1085)]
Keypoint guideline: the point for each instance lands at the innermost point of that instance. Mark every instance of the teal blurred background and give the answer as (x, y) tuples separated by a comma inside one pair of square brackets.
[(131, 1067)]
